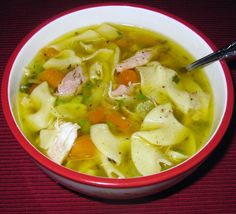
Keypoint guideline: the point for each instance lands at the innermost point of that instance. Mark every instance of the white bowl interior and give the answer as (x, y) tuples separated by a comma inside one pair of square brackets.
[(131, 16)]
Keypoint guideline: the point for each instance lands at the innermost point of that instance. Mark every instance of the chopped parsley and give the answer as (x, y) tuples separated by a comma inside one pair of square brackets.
[(176, 79)]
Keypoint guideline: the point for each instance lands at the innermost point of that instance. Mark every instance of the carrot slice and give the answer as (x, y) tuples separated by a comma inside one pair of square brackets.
[(128, 76), (121, 122), (83, 148), (50, 52), (101, 115), (97, 115), (52, 76)]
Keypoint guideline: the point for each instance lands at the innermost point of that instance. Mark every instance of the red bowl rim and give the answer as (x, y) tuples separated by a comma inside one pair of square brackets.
[(109, 182)]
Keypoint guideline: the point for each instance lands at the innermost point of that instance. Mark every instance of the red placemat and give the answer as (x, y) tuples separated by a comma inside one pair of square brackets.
[(24, 188)]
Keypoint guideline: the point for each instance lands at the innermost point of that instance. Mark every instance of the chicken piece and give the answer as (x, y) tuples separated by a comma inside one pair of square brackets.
[(140, 58), (58, 141), (121, 90), (71, 82)]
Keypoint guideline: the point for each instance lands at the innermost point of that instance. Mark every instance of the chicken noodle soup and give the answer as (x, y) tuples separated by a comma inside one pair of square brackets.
[(109, 100)]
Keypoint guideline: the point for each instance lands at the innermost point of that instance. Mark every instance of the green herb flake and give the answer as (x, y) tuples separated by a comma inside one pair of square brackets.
[(176, 79), (84, 126), (89, 85), (140, 96), (112, 127), (25, 88)]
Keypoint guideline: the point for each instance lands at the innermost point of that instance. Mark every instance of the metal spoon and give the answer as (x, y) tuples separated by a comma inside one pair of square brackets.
[(225, 52)]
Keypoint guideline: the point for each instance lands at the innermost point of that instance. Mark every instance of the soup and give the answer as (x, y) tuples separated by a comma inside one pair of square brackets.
[(110, 100)]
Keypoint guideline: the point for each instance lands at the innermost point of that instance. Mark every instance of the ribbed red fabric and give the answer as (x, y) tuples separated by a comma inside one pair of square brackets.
[(24, 188)]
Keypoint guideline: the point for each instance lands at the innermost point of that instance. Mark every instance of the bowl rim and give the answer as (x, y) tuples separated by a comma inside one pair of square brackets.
[(111, 182)]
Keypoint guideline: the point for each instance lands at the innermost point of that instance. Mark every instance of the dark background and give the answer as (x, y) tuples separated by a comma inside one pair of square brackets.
[(24, 188)]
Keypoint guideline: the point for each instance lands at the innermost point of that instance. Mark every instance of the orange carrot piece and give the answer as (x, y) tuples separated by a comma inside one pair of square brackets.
[(83, 148), (121, 122), (102, 115), (128, 76), (52, 76), (50, 52), (97, 115)]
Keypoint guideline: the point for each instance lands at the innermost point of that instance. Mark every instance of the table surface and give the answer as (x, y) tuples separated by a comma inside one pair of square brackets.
[(24, 188)]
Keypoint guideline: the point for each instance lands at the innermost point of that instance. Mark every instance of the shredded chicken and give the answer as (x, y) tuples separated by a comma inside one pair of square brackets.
[(140, 58), (121, 90), (71, 82), (58, 141)]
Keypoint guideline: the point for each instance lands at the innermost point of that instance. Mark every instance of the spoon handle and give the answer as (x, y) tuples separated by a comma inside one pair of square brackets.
[(225, 52)]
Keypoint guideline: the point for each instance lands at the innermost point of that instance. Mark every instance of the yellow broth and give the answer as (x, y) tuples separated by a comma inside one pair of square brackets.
[(93, 94)]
